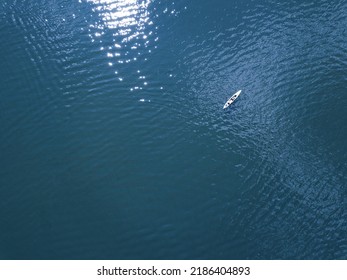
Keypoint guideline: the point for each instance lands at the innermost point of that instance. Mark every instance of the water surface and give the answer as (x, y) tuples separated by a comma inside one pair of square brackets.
[(114, 144)]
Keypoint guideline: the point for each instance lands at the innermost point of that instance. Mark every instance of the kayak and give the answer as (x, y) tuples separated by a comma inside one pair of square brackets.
[(231, 99)]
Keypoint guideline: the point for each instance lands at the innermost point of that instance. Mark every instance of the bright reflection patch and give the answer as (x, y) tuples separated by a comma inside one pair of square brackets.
[(128, 18), (125, 32)]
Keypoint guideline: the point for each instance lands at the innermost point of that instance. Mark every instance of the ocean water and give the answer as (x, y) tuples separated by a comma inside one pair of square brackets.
[(114, 143)]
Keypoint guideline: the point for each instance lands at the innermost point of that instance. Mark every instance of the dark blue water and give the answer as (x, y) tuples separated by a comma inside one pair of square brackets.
[(114, 143)]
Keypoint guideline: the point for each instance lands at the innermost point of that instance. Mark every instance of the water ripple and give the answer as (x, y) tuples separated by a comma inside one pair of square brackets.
[(95, 170)]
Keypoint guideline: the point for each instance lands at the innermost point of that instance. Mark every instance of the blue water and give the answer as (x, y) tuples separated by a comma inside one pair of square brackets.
[(114, 143)]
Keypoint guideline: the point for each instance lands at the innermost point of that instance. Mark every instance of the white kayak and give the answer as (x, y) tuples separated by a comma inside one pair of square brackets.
[(231, 99)]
